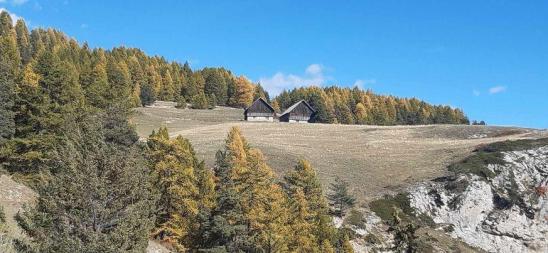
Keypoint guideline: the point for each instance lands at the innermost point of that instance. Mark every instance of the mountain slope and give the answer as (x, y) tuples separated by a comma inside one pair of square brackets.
[(373, 159)]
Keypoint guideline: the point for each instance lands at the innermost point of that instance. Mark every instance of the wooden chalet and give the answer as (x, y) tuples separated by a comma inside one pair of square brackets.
[(259, 110), (300, 112)]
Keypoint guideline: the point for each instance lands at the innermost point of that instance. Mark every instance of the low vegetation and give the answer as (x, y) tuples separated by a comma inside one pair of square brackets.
[(386, 207), (491, 154)]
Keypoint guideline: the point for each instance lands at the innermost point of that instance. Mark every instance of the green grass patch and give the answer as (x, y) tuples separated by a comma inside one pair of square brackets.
[(514, 145), (491, 154), (386, 206)]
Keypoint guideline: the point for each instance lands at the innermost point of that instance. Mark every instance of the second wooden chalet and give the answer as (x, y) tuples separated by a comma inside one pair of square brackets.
[(300, 112)]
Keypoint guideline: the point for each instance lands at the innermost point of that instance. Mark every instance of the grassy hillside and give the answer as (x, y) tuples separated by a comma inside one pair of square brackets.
[(373, 159)]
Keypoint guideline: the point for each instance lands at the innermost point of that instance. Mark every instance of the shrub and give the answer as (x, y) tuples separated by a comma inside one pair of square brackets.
[(199, 101), (386, 206), (355, 218), (181, 103)]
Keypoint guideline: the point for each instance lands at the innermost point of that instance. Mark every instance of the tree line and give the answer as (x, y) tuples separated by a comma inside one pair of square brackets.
[(356, 106), (129, 78)]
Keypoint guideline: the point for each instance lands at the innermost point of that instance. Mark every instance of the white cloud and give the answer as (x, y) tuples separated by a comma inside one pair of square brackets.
[(18, 2), (13, 16), (84, 26), (313, 75), (361, 83), (497, 89), (314, 69), (476, 92), (14, 2)]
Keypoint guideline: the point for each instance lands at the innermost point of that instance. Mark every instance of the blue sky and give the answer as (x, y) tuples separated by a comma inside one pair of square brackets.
[(489, 58)]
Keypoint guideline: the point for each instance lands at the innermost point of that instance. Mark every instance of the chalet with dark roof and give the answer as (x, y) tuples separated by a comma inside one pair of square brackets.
[(260, 110), (300, 112)]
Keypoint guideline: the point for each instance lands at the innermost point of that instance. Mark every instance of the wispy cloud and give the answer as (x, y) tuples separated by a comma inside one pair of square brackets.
[(497, 89), (14, 2), (18, 2), (84, 26), (476, 92), (313, 75)]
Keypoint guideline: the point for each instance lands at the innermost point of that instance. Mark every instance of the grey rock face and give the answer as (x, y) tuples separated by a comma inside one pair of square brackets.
[(508, 213)]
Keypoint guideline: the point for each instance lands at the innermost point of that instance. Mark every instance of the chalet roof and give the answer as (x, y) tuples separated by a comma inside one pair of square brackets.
[(288, 110), (260, 100)]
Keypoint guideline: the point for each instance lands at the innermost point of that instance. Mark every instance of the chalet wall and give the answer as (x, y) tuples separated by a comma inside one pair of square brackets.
[(260, 118)]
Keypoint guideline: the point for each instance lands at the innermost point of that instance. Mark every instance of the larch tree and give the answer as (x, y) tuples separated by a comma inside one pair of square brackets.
[(137, 80), (184, 185), (167, 92), (97, 86), (361, 114), (119, 83), (23, 41), (303, 178), (244, 89), (250, 211), (302, 237)]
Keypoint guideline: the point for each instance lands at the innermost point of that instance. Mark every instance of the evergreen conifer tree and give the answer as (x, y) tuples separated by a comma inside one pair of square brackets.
[(100, 201), (341, 200)]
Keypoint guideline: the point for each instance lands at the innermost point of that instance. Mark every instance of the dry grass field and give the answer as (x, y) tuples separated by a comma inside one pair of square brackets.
[(373, 159)]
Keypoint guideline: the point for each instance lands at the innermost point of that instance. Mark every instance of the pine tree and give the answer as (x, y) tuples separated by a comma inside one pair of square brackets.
[(199, 101), (405, 239), (215, 84), (23, 41), (9, 63), (41, 113), (340, 198), (59, 80), (100, 201), (260, 92)]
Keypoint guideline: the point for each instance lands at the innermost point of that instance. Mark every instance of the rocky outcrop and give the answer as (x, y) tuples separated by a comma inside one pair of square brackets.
[(504, 213)]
